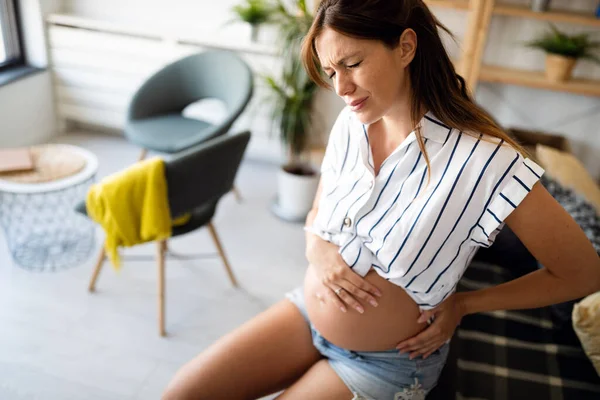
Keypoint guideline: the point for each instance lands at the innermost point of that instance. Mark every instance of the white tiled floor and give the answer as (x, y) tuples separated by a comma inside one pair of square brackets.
[(57, 341)]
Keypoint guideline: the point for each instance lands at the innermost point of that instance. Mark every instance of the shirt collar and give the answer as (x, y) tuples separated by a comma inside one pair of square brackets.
[(433, 129)]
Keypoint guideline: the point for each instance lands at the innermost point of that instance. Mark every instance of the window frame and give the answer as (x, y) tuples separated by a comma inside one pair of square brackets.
[(16, 34)]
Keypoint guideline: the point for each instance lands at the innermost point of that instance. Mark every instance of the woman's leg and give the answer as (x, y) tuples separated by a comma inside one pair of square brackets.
[(263, 356), (319, 382)]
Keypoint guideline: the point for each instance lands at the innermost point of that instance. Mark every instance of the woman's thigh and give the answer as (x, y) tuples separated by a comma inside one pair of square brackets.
[(319, 382), (263, 356)]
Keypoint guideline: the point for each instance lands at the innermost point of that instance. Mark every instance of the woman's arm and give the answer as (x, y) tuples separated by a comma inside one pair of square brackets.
[(572, 270), (572, 266)]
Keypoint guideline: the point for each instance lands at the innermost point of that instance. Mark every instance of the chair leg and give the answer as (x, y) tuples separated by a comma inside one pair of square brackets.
[(215, 239), (97, 268), (237, 194), (143, 154), (160, 255)]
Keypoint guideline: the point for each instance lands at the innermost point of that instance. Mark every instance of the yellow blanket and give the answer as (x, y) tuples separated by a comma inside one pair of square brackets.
[(131, 206)]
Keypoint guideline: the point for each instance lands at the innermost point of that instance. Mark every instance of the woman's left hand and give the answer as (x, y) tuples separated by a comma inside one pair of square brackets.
[(447, 317)]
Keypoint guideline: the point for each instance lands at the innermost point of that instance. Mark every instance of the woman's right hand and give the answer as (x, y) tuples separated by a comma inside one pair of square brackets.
[(341, 285)]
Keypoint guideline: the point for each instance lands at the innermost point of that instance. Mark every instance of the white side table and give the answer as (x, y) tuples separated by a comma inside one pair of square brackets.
[(43, 231)]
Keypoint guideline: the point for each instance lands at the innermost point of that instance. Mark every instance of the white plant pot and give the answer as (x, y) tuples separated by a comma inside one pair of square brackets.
[(295, 195)]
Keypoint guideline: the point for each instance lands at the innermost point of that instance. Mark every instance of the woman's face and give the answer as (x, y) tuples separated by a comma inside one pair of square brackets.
[(369, 76)]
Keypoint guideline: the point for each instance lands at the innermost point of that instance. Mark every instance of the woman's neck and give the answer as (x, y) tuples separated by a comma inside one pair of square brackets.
[(397, 124)]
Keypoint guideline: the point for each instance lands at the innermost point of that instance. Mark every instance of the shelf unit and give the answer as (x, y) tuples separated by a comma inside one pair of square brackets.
[(480, 13)]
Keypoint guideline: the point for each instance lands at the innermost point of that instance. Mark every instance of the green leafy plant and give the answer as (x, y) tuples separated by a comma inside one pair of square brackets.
[(254, 12), (573, 46), (292, 94)]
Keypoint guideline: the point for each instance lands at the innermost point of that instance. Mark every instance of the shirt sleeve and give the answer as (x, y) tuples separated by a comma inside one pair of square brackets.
[(505, 196)]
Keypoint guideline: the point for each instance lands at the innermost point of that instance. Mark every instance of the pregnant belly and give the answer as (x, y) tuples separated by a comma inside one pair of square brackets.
[(377, 329)]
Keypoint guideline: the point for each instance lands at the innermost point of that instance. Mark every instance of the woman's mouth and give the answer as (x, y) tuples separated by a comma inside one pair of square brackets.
[(358, 104)]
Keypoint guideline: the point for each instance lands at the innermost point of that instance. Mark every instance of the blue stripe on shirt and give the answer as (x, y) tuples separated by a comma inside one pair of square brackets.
[(374, 206), (397, 196), (345, 154), (532, 171), (346, 195), (437, 122), (508, 200), (473, 227), (460, 216), (444, 206), (405, 209), (368, 148), (483, 230), (494, 215), (425, 205), (353, 167), (522, 184)]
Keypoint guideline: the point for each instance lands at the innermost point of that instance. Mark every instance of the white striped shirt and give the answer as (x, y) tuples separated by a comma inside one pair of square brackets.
[(416, 235)]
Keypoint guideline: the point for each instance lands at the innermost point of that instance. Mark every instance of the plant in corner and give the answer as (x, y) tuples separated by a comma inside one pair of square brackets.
[(291, 99), (563, 51), (255, 13)]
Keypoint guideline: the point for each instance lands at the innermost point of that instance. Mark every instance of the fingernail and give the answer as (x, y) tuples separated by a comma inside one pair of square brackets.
[(343, 309), (378, 293), (373, 303), (360, 310)]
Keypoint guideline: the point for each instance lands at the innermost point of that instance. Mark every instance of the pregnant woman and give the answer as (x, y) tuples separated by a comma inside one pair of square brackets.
[(416, 177)]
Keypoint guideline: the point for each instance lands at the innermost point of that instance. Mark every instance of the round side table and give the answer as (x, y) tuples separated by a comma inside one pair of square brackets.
[(43, 231)]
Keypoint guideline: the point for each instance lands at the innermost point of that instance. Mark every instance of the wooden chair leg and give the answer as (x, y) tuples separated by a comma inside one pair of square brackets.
[(237, 194), (97, 268), (160, 255), (143, 154), (215, 239)]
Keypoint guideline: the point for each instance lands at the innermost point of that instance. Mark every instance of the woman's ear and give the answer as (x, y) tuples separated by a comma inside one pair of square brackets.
[(407, 46)]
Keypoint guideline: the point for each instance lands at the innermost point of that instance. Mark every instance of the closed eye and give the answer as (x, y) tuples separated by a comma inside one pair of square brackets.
[(349, 66)]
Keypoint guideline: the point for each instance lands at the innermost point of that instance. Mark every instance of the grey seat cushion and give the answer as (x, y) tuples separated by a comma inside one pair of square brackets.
[(169, 133)]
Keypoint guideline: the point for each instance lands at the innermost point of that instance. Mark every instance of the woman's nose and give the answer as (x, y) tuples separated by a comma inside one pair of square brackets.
[(344, 85)]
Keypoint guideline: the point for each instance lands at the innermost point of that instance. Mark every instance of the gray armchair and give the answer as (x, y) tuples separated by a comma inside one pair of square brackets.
[(154, 118)]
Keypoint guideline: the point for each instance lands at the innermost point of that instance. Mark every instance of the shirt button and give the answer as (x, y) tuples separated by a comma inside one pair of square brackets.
[(347, 222)]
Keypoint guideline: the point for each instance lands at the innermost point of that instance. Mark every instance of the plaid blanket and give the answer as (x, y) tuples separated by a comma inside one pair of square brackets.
[(512, 355)]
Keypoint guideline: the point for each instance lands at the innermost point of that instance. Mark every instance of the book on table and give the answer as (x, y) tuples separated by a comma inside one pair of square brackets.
[(15, 160)]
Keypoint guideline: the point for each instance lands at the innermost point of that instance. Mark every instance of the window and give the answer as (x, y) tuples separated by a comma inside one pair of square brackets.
[(11, 48)]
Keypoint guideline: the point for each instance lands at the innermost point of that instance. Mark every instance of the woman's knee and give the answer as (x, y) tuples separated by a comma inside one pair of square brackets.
[(191, 382)]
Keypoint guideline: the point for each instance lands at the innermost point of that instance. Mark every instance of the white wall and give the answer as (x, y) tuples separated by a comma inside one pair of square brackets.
[(27, 105), (575, 116)]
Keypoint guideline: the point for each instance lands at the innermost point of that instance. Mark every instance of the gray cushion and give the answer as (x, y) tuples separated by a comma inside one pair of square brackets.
[(168, 133)]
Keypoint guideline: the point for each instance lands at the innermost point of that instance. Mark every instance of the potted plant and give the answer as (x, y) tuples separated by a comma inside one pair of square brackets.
[(255, 13), (291, 98), (563, 51)]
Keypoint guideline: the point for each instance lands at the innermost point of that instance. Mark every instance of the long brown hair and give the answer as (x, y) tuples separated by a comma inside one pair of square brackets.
[(434, 81)]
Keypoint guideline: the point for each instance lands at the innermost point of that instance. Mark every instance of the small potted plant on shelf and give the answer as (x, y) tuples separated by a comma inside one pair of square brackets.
[(255, 13), (563, 51), (291, 98)]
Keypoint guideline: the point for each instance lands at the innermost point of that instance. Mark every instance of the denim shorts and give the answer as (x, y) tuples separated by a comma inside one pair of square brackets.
[(377, 375)]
